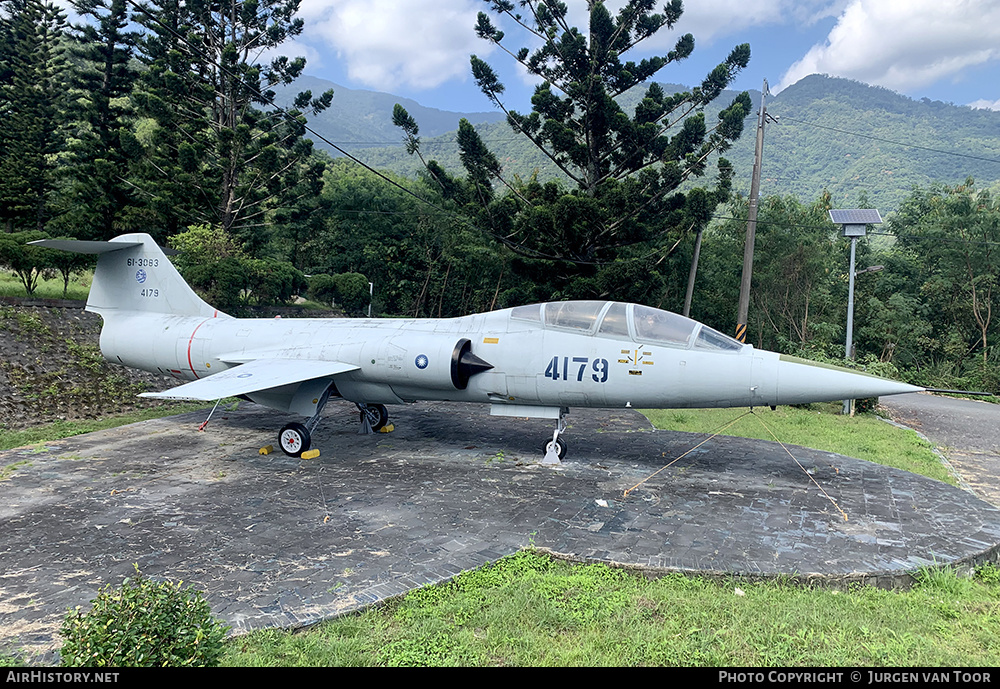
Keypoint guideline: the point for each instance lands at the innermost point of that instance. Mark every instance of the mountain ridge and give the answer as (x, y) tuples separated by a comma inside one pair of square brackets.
[(832, 134)]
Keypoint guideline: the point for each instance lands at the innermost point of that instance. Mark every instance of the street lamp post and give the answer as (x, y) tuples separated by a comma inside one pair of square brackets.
[(853, 223)]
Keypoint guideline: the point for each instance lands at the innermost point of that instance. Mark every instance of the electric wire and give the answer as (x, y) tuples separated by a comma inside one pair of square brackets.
[(284, 113), (531, 253), (451, 214), (890, 141), (628, 491)]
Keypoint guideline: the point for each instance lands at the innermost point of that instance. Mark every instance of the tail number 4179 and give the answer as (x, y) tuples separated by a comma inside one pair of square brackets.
[(564, 368)]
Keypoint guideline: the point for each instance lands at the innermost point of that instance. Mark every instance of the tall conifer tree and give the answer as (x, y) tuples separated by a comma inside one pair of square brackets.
[(625, 168), (32, 105), (220, 144), (104, 144)]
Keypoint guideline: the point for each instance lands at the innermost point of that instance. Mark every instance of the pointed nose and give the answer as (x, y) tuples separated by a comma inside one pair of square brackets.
[(800, 381)]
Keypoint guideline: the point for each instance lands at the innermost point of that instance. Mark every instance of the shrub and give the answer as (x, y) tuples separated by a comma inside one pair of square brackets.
[(143, 624), (347, 290), (352, 291)]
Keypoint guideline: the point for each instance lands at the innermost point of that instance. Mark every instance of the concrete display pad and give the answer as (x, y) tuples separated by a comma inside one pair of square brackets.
[(278, 541)]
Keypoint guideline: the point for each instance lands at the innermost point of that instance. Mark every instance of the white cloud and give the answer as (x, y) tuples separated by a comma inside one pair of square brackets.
[(983, 104), (900, 44), (905, 44), (388, 43), (712, 19), (424, 43)]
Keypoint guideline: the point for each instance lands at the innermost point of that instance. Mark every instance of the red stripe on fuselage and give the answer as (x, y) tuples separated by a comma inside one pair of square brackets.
[(190, 342)]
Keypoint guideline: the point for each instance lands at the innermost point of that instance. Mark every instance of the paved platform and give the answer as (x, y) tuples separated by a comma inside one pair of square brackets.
[(276, 541)]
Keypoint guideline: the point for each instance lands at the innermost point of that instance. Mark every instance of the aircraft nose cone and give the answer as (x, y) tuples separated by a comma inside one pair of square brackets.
[(800, 381)]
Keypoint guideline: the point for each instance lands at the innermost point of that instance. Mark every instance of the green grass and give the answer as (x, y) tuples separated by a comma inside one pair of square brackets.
[(56, 430), (48, 288), (819, 426), (531, 610)]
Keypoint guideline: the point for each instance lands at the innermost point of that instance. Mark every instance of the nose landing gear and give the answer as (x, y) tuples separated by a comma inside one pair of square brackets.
[(556, 448)]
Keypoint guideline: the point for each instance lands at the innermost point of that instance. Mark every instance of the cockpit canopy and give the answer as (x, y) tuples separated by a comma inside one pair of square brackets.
[(642, 324)]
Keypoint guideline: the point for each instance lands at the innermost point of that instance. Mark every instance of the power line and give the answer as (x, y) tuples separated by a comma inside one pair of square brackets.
[(284, 113), (785, 118), (833, 228)]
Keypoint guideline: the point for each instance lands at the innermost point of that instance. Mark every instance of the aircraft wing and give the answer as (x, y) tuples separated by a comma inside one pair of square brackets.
[(260, 374)]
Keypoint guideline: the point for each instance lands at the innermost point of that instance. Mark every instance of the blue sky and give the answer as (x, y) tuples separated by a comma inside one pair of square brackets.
[(945, 50)]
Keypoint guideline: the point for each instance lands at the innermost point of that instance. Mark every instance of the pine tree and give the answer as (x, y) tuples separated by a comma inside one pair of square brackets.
[(32, 104), (236, 156), (104, 145), (625, 168)]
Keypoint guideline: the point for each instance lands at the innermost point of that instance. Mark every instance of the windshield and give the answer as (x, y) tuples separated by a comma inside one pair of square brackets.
[(654, 325), (580, 315)]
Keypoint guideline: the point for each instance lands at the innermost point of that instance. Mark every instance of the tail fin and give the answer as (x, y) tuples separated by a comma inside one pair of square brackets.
[(134, 275)]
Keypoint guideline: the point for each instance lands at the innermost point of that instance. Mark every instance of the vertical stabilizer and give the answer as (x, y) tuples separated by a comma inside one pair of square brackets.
[(133, 275)]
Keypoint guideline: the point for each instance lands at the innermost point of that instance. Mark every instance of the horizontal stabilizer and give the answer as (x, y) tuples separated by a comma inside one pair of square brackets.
[(255, 376), (134, 275), (79, 246)]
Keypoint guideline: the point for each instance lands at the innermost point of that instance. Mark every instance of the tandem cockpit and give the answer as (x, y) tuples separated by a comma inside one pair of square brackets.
[(617, 320)]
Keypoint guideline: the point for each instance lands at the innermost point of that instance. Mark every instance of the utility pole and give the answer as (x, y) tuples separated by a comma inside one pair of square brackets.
[(741, 319), (692, 274)]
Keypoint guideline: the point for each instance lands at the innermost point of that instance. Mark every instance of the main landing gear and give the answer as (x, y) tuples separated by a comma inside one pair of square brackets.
[(373, 417), (295, 438)]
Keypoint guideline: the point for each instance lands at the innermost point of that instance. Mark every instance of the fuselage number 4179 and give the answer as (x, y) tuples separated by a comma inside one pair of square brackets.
[(563, 368)]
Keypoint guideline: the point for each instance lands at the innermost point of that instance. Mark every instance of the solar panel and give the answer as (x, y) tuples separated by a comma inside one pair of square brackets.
[(856, 216)]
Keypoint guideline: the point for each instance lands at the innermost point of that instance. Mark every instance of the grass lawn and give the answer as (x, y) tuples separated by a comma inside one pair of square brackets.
[(531, 610), (47, 288), (49, 432)]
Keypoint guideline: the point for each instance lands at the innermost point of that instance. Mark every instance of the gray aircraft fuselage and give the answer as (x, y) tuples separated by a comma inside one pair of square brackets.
[(534, 360)]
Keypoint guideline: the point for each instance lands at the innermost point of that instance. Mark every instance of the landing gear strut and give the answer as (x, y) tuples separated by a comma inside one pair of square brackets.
[(295, 438), (555, 449)]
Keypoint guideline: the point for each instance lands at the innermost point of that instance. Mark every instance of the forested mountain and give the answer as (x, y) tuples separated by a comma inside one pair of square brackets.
[(846, 137), (837, 135), (359, 119), (517, 155)]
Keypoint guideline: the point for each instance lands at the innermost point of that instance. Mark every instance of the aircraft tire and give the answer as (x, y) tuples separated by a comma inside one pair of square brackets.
[(378, 415), (294, 439), (561, 447)]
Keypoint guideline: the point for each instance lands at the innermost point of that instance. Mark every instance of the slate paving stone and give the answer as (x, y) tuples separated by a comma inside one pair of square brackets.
[(273, 540)]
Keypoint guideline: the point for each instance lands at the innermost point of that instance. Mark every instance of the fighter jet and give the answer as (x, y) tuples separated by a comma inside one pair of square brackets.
[(532, 361)]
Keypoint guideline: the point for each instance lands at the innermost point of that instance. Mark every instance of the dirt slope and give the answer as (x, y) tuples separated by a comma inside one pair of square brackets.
[(51, 367)]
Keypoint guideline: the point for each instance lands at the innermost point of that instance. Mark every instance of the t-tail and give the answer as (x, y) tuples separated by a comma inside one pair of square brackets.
[(133, 275)]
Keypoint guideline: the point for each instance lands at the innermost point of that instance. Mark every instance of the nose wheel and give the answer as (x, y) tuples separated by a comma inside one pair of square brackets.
[(555, 449)]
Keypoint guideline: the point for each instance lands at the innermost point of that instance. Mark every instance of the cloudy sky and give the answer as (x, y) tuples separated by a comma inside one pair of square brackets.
[(945, 50)]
